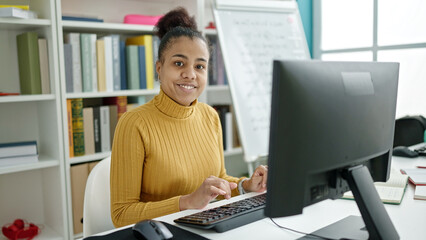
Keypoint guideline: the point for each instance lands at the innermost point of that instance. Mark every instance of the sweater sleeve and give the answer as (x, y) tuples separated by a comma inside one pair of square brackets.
[(127, 163)]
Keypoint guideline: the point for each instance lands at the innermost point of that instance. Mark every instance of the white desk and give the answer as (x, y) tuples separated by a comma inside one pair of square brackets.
[(409, 217)]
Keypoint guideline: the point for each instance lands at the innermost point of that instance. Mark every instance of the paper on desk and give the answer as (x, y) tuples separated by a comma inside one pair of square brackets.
[(420, 193), (417, 175)]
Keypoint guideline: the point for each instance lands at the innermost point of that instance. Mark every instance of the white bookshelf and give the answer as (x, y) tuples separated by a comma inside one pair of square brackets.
[(35, 192)]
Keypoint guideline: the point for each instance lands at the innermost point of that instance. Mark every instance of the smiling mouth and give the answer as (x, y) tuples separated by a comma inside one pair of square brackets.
[(189, 87)]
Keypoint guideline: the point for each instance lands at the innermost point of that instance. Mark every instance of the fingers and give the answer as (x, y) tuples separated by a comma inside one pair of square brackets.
[(259, 179), (221, 187)]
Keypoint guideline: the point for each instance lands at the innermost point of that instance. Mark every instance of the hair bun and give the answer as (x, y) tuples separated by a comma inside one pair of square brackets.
[(177, 17)]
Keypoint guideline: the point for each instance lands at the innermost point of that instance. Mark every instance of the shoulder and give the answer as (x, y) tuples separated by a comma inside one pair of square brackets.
[(208, 113)]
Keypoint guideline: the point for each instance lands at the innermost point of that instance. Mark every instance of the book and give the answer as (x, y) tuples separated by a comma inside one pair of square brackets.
[(89, 140), (113, 119), (145, 40), (420, 193), (77, 126), (123, 66), (229, 131), (70, 135), (14, 12), (68, 68), (81, 18), (417, 176), (119, 101), (74, 40), (105, 128), (16, 160), (116, 72), (109, 74), (29, 63), (100, 52), (132, 60), (141, 19), (78, 174), (94, 62), (97, 128), (86, 61), (24, 7), (14, 149), (142, 68), (44, 66), (390, 192)]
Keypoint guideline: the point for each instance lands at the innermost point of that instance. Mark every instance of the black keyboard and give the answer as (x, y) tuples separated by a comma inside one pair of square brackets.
[(421, 149), (229, 216)]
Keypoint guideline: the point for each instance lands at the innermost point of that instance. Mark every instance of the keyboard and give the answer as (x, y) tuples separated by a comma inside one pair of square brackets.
[(420, 149), (229, 216)]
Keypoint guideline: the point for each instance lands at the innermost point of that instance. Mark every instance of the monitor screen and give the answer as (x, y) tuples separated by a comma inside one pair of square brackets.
[(332, 125)]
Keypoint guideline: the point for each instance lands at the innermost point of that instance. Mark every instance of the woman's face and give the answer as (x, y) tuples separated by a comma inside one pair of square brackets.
[(183, 71)]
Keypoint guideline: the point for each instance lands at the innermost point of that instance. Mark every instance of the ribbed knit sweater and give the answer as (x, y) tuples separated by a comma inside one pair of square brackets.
[(161, 151)]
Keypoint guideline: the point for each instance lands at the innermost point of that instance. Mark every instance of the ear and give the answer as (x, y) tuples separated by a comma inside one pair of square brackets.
[(158, 66)]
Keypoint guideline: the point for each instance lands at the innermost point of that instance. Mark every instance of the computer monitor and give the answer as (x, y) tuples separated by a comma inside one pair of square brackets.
[(332, 128)]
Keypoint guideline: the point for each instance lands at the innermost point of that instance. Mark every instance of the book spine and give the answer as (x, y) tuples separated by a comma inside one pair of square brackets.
[(86, 63), (105, 129), (132, 67), (122, 105), (29, 63), (115, 39), (70, 126), (123, 66), (149, 62), (108, 64), (100, 49), (142, 67), (94, 62), (44, 66), (68, 68), (77, 126), (113, 119), (97, 128), (18, 149), (89, 142), (74, 40)]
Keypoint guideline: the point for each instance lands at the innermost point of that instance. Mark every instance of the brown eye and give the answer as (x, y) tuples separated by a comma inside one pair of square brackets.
[(179, 64), (200, 67)]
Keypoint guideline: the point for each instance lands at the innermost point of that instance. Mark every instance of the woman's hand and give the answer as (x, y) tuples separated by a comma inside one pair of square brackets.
[(209, 190), (257, 182)]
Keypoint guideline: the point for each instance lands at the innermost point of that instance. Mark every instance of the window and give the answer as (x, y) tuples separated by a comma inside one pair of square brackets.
[(377, 30)]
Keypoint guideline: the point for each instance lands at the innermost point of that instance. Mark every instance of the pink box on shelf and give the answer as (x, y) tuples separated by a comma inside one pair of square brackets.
[(141, 19)]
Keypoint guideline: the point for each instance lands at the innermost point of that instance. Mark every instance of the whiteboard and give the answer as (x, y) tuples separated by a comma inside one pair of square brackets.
[(252, 34)]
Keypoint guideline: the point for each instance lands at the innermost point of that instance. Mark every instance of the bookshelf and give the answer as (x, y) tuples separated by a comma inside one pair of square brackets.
[(41, 192), (35, 192)]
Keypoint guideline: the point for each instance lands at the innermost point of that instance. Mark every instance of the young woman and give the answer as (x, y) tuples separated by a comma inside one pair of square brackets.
[(167, 154)]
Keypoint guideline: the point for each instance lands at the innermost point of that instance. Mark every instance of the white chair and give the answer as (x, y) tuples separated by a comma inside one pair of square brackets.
[(97, 210)]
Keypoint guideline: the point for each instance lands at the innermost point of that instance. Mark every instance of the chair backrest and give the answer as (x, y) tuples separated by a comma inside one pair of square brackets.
[(97, 209)]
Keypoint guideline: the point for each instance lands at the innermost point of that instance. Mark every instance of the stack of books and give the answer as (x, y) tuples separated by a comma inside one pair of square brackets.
[(18, 153), (17, 11)]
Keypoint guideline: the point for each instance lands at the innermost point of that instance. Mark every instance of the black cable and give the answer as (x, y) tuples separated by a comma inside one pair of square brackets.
[(306, 234)]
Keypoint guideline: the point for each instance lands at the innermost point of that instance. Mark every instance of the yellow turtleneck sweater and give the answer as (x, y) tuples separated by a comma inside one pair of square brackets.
[(161, 151)]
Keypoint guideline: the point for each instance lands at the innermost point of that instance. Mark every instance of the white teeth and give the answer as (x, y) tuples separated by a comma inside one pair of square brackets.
[(186, 86)]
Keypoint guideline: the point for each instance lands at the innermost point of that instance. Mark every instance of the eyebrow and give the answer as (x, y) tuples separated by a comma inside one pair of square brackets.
[(185, 57)]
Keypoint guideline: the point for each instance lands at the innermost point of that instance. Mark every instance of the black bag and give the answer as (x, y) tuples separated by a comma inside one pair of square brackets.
[(409, 131)]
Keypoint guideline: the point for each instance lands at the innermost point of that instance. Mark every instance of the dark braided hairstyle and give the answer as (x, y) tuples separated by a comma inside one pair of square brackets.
[(176, 23)]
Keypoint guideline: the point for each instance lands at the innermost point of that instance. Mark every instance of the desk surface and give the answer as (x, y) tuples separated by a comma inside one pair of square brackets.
[(409, 217)]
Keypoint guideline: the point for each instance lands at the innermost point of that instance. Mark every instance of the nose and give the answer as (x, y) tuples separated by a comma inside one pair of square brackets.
[(188, 73)]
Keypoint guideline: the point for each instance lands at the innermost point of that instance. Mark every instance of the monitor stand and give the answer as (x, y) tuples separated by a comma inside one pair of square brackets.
[(374, 215)]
